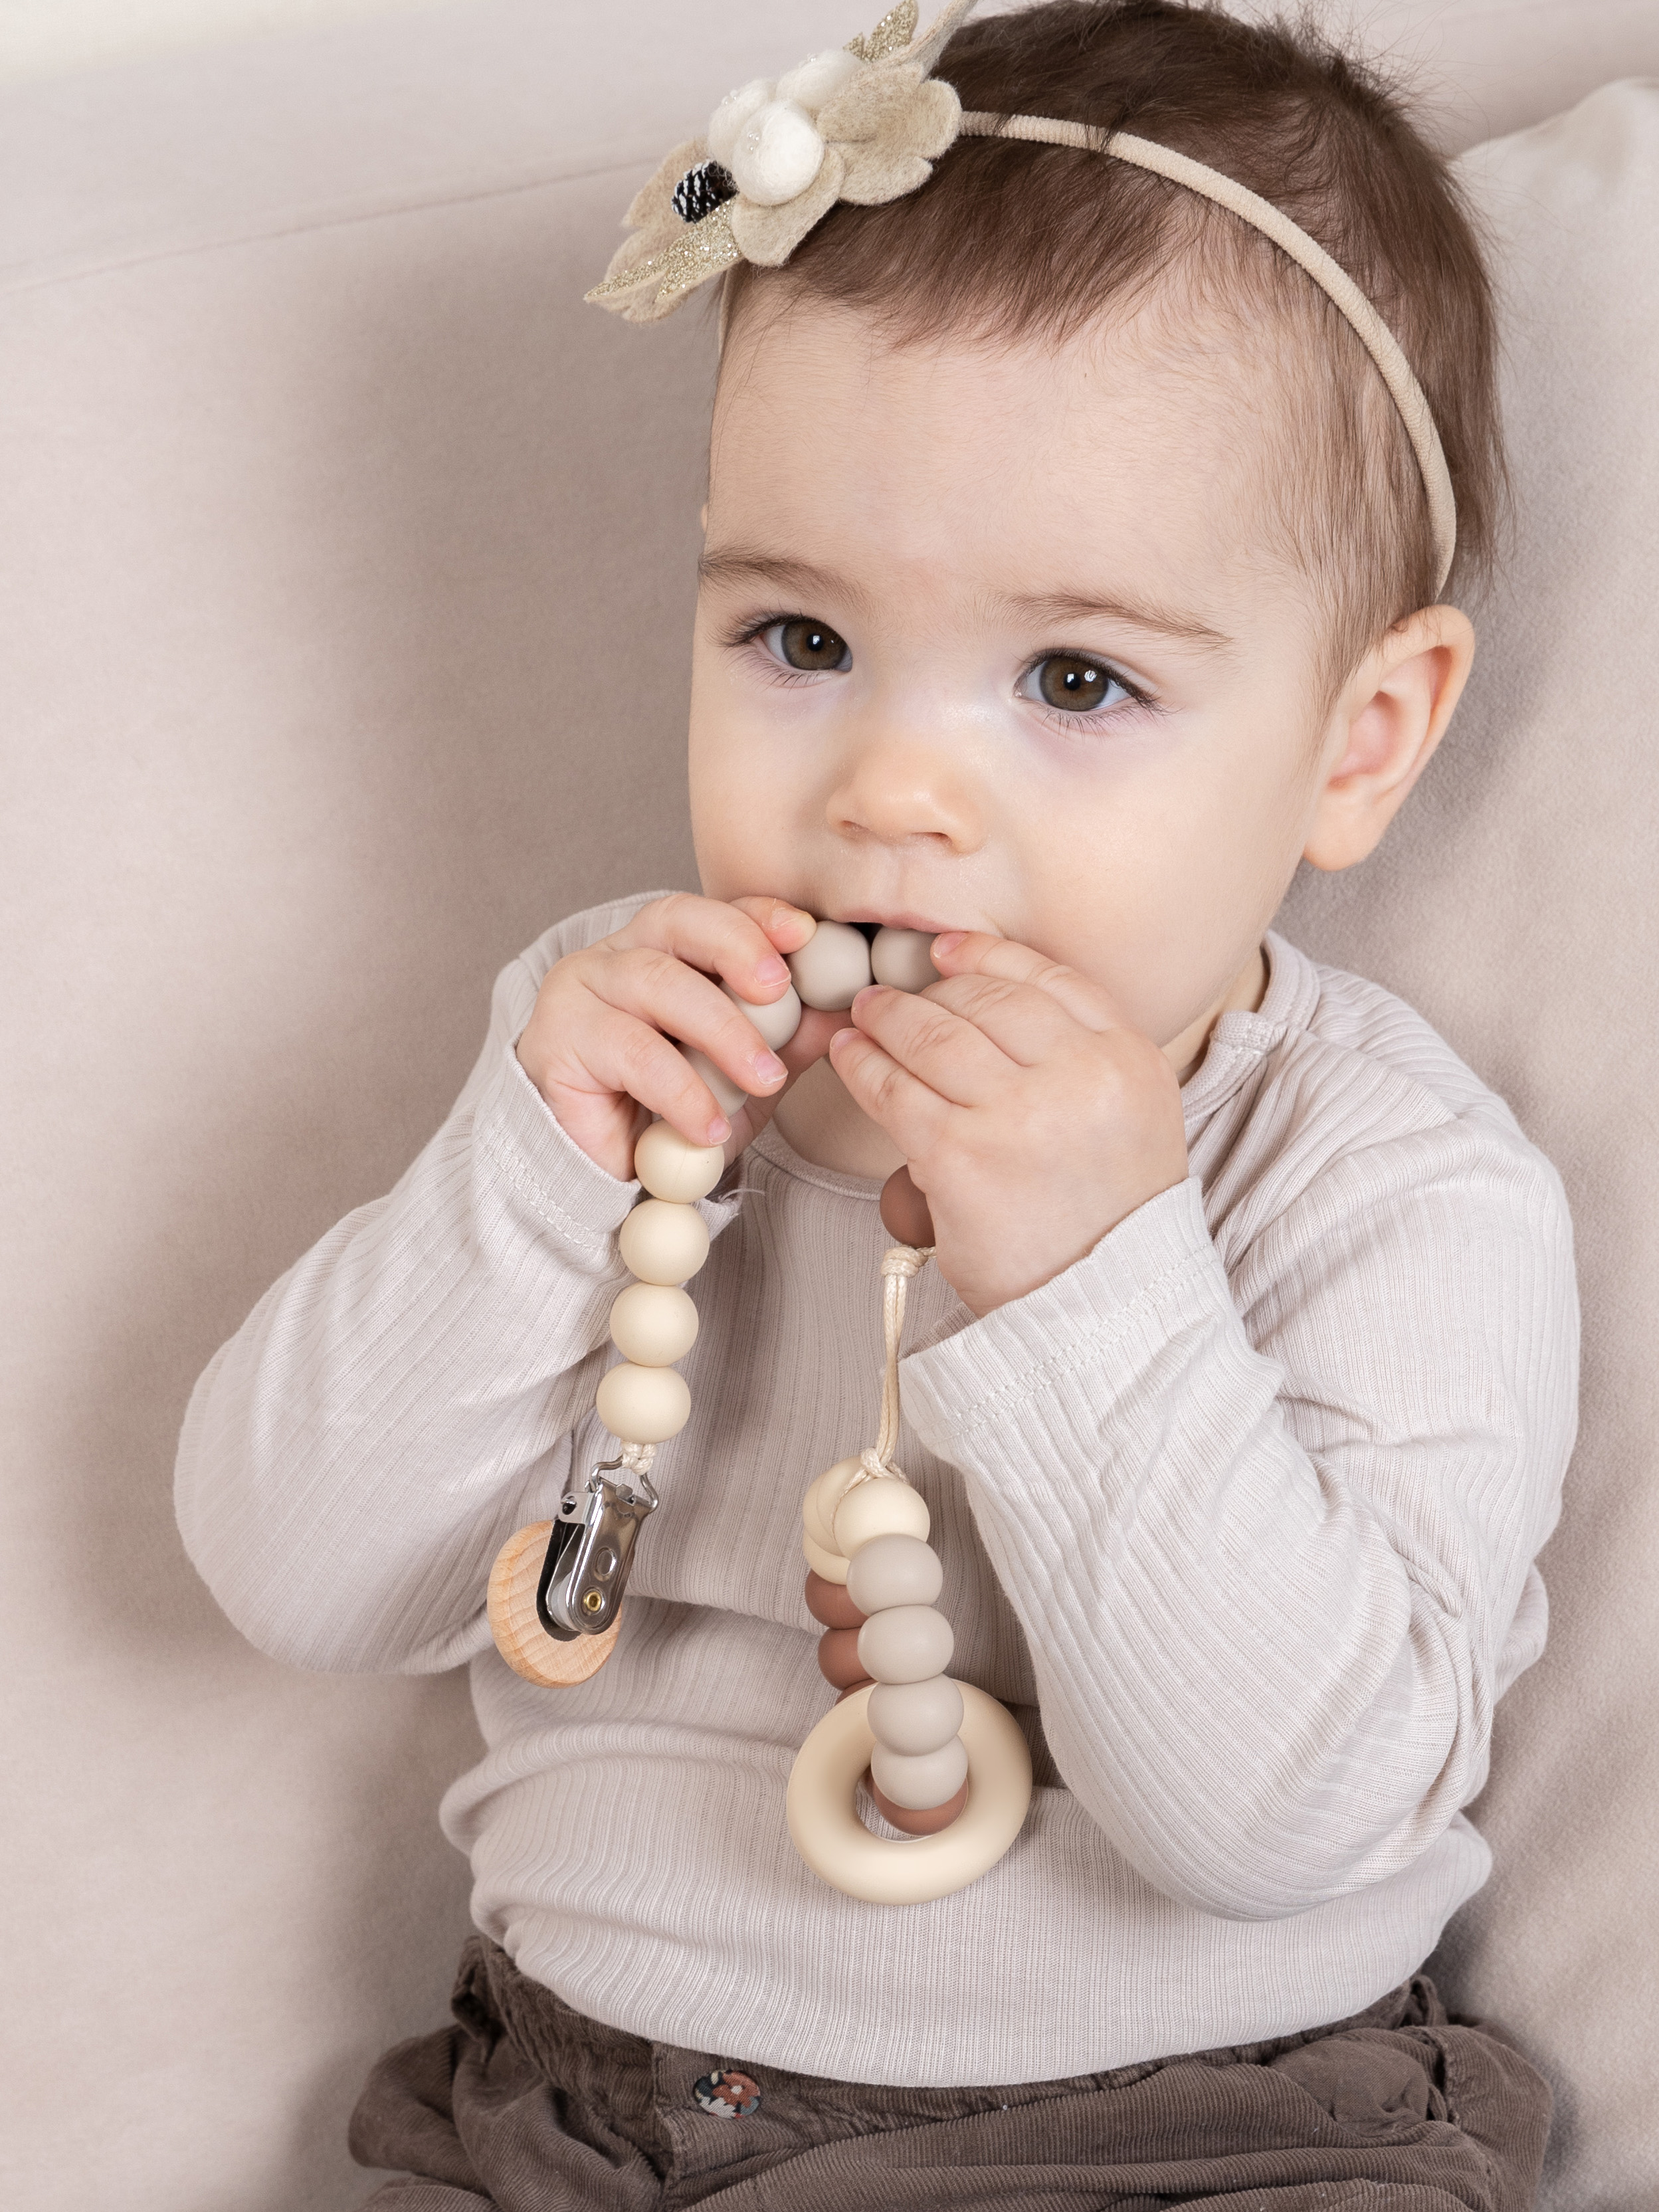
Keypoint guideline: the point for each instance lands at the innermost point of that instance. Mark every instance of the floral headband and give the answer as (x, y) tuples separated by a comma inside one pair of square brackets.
[(866, 125)]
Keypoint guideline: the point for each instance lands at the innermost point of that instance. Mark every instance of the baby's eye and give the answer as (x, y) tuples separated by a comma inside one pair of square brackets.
[(1076, 682), (811, 646)]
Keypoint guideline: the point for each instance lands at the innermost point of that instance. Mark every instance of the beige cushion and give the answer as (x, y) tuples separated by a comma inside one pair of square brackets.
[(349, 564), (1515, 903)]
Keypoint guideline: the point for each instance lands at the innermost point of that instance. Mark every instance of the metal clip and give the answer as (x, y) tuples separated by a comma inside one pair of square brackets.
[(586, 1570)]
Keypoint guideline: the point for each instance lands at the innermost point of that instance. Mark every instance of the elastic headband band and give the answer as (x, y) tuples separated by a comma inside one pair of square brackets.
[(1345, 295), (866, 125)]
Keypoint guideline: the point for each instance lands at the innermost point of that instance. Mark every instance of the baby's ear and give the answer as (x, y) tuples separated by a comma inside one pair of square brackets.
[(1390, 717)]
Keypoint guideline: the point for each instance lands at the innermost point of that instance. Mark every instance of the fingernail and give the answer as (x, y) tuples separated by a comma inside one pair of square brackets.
[(769, 1068), (868, 992), (719, 1130), (771, 971), (839, 1034), (948, 939)]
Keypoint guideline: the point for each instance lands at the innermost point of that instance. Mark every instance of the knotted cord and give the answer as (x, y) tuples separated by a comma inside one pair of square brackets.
[(898, 1265)]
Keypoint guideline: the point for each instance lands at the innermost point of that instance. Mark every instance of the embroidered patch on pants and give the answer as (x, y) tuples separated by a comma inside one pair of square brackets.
[(727, 2095)]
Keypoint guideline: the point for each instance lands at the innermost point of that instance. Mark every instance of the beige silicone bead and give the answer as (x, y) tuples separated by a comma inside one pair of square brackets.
[(652, 1324), (662, 1242), (903, 959), (928, 1779), (643, 1405), (777, 1023), (818, 1507), (829, 1564), (832, 967), (915, 1716), (894, 1570), (672, 1168), (728, 1095), (906, 1643), (883, 1508)]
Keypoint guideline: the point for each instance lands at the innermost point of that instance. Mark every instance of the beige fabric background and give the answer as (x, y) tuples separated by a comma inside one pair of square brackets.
[(346, 584)]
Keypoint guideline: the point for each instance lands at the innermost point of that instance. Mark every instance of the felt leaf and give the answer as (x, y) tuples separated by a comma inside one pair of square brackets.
[(871, 104), (934, 119), (654, 203), (875, 175), (769, 235), (931, 44)]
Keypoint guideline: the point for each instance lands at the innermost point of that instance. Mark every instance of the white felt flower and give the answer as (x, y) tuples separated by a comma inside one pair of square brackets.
[(776, 155), (725, 124), (865, 124), (814, 83)]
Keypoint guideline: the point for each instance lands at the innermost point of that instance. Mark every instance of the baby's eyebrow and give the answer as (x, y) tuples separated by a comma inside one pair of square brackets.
[(799, 578), (1057, 608)]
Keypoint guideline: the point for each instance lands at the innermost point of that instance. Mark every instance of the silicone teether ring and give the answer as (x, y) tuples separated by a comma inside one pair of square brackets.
[(825, 1828)]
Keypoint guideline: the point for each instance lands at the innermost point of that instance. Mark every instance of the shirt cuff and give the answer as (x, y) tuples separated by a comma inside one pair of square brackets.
[(1102, 1318)]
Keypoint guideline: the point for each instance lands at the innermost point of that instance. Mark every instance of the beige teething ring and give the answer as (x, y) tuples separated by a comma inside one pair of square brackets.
[(835, 1842), (520, 1637)]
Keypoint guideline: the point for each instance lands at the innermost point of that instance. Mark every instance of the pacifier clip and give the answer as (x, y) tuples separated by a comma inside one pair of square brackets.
[(945, 1763)]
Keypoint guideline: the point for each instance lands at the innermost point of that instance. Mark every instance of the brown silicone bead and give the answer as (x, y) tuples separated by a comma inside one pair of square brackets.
[(912, 1823), (829, 1602), (838, 1657), (864, 1682), (905, 1212)]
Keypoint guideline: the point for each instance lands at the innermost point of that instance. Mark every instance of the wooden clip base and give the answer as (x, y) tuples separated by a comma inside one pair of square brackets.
[(520, 1637)]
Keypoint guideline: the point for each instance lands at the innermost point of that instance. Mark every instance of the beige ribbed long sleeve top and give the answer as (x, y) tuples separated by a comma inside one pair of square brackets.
[(1238, 1516)]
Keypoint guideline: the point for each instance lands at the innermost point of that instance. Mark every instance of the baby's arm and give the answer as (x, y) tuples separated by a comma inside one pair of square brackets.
[(398, 1403), (1269, 1536)]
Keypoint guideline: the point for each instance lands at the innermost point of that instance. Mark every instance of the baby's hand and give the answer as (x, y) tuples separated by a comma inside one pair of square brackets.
[(1030, 1117), (595, 1046)]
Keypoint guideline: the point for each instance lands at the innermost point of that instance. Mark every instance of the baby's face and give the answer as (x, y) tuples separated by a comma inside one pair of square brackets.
[(987, 640)]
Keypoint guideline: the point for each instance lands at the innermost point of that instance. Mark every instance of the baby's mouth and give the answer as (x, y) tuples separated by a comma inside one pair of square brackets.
[(863, 918)]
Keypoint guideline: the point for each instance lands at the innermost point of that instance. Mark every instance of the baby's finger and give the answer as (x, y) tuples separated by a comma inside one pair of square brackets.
[(1028, 1023), (710, 934), (912, 1113), (951, 1056), (973, 952), (811, 1040), (787, 928), (620, 1054), (661, 991)]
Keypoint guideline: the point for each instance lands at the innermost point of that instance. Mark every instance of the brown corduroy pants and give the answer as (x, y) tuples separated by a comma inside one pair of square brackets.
[(527, 2107)]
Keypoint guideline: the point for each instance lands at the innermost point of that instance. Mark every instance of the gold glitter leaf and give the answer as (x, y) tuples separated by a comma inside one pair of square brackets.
[(890, 36), (654, 288)]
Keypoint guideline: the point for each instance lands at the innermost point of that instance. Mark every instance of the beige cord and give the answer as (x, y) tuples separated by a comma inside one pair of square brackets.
[(1333, 280), (898, 1265)]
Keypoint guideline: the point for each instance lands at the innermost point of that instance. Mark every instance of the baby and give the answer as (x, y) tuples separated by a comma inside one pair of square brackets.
[(1075, 560)]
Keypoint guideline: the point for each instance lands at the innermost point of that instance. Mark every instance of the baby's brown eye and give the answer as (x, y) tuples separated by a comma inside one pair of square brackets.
[(1066, 679), (811, 647)]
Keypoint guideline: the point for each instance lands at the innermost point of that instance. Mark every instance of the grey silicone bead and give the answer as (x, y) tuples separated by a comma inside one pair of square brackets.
[(906, 1643), (892, 1570), (921, 1783), (777, 1022), (903, 959), (832, 967), (914, 1718), (729, 1096)]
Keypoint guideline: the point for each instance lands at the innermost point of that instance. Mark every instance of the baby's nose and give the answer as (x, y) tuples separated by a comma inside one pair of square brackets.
[(903, 794)]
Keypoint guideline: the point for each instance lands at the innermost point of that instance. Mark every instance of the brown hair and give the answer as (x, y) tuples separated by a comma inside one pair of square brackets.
[(1009, 239)]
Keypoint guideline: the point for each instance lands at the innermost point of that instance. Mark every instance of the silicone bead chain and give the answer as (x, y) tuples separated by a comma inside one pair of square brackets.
[(945, 1762), (643, 1401)]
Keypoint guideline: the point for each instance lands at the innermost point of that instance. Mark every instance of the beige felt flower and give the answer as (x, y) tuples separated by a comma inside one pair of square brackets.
[(865, 124)]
